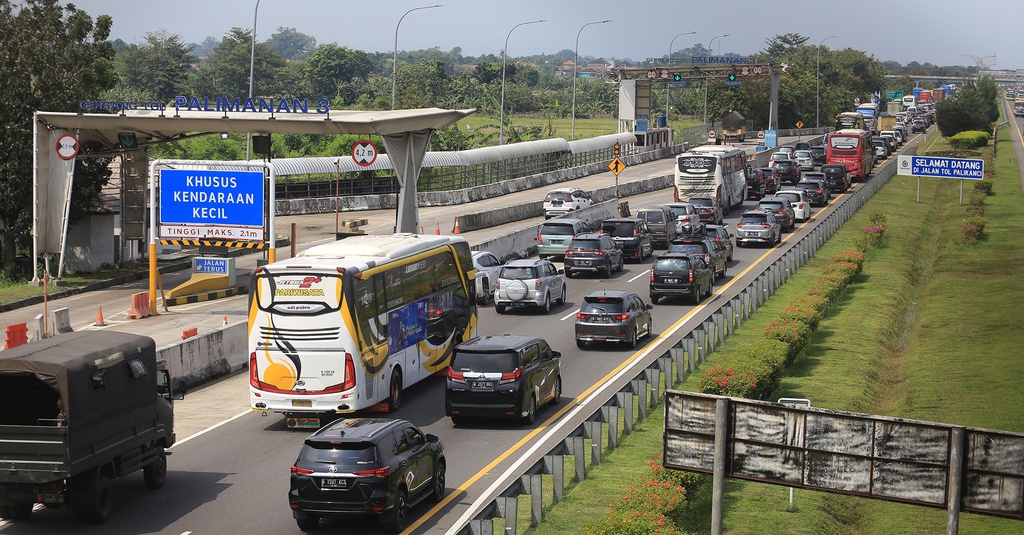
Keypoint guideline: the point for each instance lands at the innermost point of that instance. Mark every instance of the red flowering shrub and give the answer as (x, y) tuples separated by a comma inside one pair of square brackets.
[(971, 229), (655, 504), (851, 257), (795, 334), (725, 380), (809, 309)]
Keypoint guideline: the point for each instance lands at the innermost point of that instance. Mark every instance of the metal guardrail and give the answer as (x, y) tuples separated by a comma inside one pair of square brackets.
[(634, 399)]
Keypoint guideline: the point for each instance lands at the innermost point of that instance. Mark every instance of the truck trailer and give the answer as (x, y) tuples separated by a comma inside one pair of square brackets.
[(79, 410)]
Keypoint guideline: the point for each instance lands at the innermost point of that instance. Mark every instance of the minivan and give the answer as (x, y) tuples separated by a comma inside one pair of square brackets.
[(505, 375), (555, 234), (661, 221)]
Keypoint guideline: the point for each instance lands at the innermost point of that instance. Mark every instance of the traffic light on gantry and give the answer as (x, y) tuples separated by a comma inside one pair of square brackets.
[(677, 77), (616, 149), (732, 77)]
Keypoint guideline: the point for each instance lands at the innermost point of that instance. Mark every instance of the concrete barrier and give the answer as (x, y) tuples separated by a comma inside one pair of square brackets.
[(62, 321), (208, 356)]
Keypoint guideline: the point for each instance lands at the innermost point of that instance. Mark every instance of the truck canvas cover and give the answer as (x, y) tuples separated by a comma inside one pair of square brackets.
[(106, 381)]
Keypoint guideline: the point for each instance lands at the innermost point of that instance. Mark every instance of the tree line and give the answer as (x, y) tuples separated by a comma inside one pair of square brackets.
[(56, 55)]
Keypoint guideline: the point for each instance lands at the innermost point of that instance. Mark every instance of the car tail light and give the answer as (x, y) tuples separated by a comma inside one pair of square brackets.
[(599, 253), (456, 377), (766, 225), (510, 377), (621, 317), (536, 284), (301, 471), (691, 275), (378, 472), (652, 280)]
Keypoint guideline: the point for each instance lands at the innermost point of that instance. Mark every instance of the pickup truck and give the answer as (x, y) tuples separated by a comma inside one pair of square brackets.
[(81, 409)]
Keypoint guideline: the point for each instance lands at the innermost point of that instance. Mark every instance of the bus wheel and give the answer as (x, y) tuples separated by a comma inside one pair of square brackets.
[(395, 398)]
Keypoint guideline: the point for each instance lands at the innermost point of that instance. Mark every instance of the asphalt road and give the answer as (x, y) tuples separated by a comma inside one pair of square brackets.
[(229, 471)]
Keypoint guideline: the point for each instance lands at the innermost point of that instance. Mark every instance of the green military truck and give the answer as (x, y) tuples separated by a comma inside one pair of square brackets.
[(79, 410)]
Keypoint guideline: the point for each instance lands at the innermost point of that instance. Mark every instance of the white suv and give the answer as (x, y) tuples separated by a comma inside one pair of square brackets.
[(562, 201), (530, 282)]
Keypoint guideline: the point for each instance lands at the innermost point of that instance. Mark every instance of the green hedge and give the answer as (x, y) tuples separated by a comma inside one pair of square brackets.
[(969, 139)]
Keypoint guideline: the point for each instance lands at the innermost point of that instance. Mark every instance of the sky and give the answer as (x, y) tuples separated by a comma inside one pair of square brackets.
[(940, 32)]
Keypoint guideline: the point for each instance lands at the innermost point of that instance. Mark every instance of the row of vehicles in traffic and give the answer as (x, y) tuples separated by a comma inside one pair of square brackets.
[(347, 326)]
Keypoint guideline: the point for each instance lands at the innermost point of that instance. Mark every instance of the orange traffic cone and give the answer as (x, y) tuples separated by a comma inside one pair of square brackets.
[(99, 317), (456, 230), (437, 229)]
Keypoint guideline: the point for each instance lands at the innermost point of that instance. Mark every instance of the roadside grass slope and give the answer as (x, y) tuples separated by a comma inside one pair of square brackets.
[(930, 330)]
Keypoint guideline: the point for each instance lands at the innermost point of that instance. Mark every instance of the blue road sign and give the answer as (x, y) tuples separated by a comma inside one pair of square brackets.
[(959, 168), (216, 266), (732, 83), (204, 197)]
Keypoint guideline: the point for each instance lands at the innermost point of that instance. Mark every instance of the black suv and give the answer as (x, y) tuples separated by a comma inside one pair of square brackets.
[(594, 253), (366, 466), (818, 154), (787, 171), (816, 186), (506, 375), (632, 236), (713, 254), (613, 316), (681, 274), (837, 177)]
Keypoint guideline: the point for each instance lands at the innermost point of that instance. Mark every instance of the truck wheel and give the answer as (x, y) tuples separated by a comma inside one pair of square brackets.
[(92, 501), (17, 512), (155, 472)]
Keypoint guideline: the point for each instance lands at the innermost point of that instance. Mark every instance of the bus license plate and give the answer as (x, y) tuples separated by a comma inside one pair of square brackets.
[(334, 483), (483, 384), (302, 403)]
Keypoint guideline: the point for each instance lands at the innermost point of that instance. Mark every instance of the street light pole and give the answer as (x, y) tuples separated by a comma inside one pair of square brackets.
[(706, 80), (575, 61), (504, 56), (670, 63), (394, 59), (252, 65), (817, 83)]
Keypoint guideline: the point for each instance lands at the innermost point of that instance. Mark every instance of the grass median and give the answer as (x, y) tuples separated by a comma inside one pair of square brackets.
[(928, 331)]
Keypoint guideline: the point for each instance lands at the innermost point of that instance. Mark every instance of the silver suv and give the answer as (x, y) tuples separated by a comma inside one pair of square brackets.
[(529, 283)]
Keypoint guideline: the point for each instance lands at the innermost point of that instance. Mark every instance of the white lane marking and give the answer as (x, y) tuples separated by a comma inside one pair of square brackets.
[(644, 273), (569, 315), (211, 428)]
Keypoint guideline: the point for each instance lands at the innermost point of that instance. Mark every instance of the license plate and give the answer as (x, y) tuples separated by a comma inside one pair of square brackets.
[(752, 234), (584, 262), (303, 423), (302, 403), (557, 242), (671, 281), (483, 384), (334, 483)]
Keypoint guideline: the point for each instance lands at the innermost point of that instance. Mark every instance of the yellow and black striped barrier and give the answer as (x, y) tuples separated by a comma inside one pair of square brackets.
[(212, 243), (206, 296)]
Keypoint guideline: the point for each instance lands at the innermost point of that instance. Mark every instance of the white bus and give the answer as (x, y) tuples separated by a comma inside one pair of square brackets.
[(712, 171), (348, 325)]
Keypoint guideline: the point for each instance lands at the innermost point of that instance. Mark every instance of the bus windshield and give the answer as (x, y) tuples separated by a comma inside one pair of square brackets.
[(843, 142), (697, 165)]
